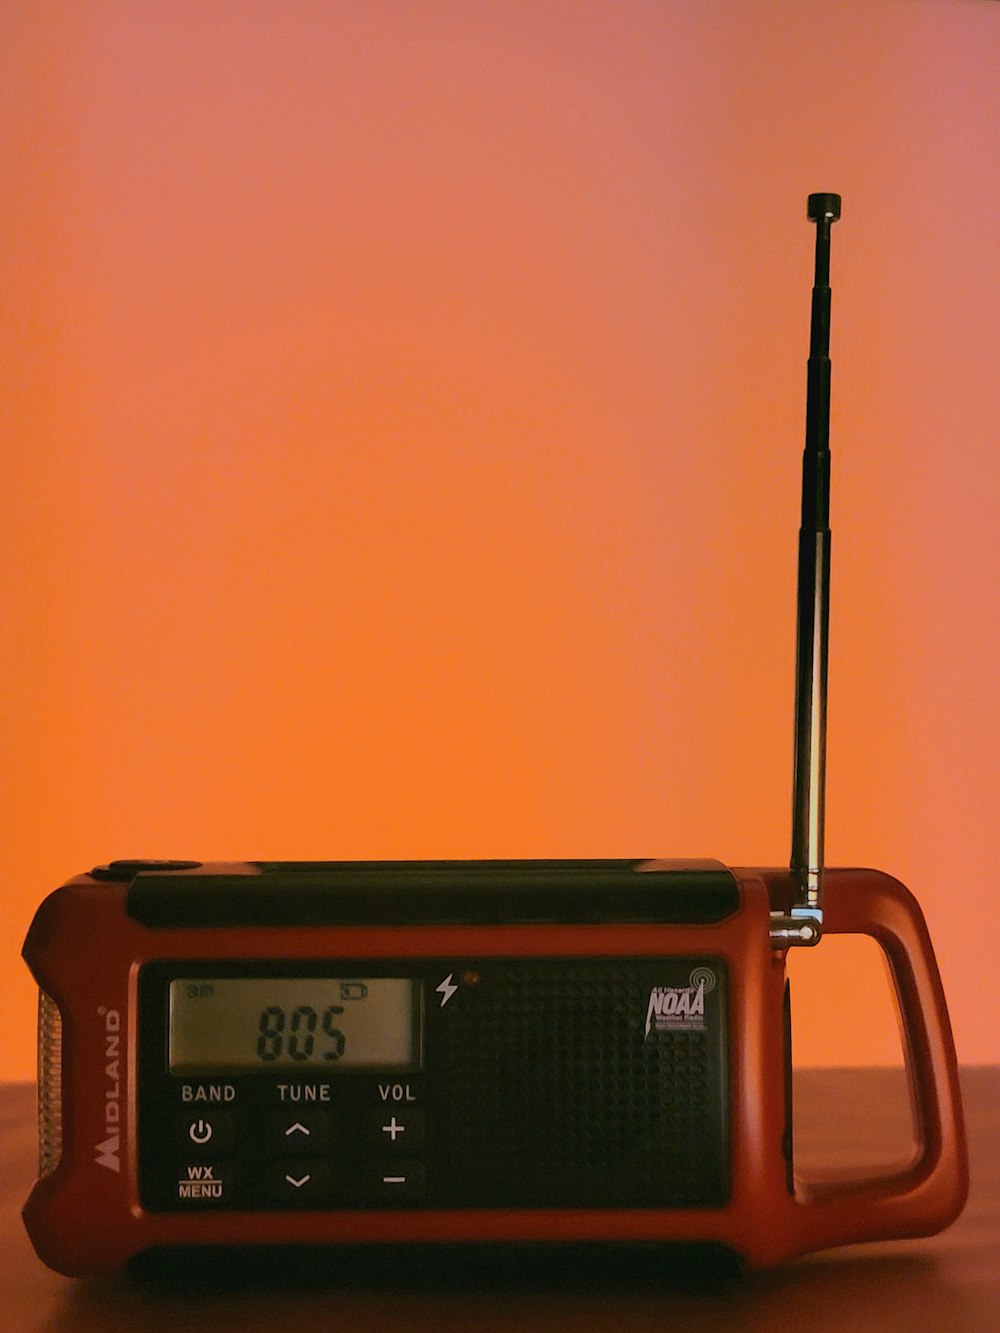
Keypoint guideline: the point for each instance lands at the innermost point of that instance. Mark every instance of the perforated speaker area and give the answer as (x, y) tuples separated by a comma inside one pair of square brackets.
[(557, 1095)]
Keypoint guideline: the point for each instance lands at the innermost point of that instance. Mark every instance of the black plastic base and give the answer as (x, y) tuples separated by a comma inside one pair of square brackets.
[(684, 1266)]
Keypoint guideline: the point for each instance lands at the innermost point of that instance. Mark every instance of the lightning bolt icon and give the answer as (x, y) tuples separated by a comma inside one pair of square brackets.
[(446, 990)]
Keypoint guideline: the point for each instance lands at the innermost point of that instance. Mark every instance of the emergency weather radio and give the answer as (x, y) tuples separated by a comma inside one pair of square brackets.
[(331, 1053)]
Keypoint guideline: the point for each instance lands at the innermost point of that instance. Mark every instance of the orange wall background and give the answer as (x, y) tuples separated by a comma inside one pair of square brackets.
[(403, 416)]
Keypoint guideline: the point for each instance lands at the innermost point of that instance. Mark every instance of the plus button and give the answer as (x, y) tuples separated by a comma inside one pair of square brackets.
[(394, 1134)]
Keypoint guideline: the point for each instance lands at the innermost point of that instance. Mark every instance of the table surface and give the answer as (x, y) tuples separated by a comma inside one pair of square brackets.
[(843, 1119)]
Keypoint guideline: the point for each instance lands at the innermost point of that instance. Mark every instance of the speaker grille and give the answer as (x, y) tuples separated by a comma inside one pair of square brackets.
[(557, 1096)]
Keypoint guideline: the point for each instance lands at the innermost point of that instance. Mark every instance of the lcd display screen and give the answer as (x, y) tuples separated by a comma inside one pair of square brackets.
[(311, 1024)]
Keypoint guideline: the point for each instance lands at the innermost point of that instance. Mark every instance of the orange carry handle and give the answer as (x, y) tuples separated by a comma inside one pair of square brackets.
[(931, 1191)]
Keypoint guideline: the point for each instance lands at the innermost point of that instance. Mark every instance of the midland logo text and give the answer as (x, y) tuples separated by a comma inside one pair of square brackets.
[(107, 1152), (680, 1008)]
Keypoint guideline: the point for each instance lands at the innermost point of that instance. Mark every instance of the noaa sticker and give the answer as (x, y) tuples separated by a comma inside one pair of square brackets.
[(680, 1008)]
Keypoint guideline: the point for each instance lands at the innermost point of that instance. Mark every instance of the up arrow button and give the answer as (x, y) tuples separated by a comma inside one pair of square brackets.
[(301, 1132)]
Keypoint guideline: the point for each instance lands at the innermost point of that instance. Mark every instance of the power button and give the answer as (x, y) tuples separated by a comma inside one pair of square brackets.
[(211, 1132)]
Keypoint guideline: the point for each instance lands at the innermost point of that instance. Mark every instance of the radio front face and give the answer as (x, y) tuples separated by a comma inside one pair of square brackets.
[(433, 1083)]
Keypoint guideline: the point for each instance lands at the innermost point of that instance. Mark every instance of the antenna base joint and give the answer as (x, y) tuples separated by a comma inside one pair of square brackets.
[(802, 926)]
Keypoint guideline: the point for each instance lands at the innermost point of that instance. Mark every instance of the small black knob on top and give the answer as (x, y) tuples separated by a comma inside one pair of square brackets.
[(823, 206), (126, 871)]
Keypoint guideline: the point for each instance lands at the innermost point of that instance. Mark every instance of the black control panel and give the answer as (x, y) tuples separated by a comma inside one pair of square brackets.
[(530, 1082)]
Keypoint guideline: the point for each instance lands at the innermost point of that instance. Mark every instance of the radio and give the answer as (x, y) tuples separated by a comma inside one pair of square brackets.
[(339, 1053)]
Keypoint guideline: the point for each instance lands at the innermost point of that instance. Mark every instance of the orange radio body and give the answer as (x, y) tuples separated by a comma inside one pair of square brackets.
[(564, 1079)]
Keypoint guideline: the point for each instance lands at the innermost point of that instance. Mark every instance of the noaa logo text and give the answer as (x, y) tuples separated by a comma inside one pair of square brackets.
[(680, 1008)]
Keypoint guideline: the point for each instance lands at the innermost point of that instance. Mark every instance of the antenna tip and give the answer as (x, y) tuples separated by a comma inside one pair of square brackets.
[(824, 206)]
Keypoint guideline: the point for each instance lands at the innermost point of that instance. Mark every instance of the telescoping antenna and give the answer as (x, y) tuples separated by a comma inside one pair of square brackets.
[(804, 922)]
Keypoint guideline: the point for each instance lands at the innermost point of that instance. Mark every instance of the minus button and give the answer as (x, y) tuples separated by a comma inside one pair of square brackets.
[(402, 1181)]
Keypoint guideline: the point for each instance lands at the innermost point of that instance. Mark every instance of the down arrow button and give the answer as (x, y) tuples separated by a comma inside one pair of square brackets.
[(300, 1180)]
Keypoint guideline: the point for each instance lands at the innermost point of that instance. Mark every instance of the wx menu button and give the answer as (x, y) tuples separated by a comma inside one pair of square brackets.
[(204, 1184)]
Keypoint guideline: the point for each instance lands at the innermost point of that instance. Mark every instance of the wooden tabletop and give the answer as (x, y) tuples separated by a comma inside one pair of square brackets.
[(844, 1118)]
